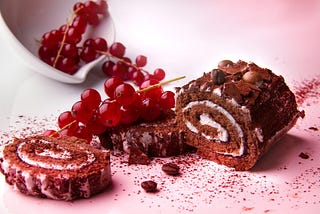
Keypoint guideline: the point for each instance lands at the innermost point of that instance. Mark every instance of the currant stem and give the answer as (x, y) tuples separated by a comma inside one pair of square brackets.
[(160, 84), (63, 128), (63, 40)]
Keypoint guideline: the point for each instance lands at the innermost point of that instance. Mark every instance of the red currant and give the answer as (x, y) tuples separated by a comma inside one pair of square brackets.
[(110, 113), (91, 98), (107, 67), (159, 74), (120, 70), (84, 133), (70, 51), (51, 39), (67, 65), (129, 114), (154, 93), (45, 53), (100, 44), (117, 49), (150, 109), (137, 77), (124, 94), (64, 119), (95, 126), (78, 7), (167, 100), (73, 35), (141, 60), (110, 85), (88, 54), (80, 24), (81, 112), (102, 7)]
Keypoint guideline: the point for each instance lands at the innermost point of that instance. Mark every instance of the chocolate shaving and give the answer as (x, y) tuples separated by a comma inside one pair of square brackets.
[(136, 156), (232, 91)]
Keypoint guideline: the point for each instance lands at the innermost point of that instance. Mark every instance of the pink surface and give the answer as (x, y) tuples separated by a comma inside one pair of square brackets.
[(189, 38)]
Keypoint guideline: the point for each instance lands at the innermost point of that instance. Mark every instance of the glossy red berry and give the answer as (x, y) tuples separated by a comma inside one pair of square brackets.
[(84, 133), (88, 54), (124, 94), (110, 85), (150, 109), (51, 39), (95, 126), (129, 114), (109, 113), (154, 93), (159, 74), (117, 49), (141, 60), (80, 24), (167, 100), (81, 112), (91, 98)]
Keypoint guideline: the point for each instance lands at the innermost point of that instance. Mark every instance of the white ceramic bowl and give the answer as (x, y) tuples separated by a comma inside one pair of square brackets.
[(22, 23)]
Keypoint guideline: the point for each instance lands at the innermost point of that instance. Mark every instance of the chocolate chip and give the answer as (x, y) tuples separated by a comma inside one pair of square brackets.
[(225, 63), (149, 186), (218, 76), (171, 169), (252, 77)]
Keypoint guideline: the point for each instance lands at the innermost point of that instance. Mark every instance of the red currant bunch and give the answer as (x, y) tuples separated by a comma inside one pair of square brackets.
[(59, 47), (124, 106), (122, 67)]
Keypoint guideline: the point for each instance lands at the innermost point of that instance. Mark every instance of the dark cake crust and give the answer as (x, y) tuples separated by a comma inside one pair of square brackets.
[(62, 169), (233, 114)]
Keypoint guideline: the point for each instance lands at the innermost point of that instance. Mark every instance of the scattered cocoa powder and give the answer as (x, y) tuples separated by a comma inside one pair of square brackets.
[(202, 184), (307, 89)]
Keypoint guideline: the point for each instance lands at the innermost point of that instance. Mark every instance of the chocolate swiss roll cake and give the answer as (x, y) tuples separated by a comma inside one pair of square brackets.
[(233, 114), (159, 138), (62, 169)]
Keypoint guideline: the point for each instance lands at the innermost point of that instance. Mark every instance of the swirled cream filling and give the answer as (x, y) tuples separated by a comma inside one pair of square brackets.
[(223, 135), (62, 154)]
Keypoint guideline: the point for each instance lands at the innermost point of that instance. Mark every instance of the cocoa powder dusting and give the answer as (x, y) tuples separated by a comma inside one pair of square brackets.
[(307, 89), (201, 184)]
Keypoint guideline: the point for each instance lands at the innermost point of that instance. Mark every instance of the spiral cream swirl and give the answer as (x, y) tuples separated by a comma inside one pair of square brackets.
[(49, 155), (222, 135)]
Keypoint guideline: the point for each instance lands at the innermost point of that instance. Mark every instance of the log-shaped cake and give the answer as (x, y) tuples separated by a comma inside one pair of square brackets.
[(234, 113), (61, 169)]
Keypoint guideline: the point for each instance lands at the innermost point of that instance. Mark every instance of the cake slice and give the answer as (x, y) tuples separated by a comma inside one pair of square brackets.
[(61, 169), (233, 114), (159, 138)]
